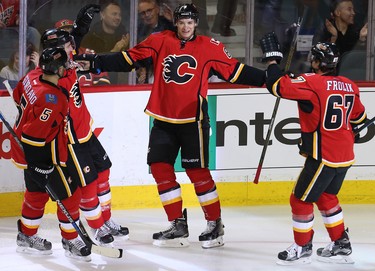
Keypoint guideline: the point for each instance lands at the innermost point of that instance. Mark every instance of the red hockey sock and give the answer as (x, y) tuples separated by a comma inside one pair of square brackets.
[(303, 220), (333, 218), (90, 206), (206, 192), (169, 190), (32, 211), (104, 193)]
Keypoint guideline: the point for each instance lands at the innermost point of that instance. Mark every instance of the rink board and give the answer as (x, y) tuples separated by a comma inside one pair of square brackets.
[(239, 121)]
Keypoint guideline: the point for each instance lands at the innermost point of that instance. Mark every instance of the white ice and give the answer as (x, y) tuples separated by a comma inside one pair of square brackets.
[(253, 237)]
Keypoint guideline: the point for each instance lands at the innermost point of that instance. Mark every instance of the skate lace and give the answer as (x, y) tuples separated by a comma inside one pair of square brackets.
[(171, 227), (210, 226), (103, 231), (113, 225), (36, 240), (329, 247), (78, 244), (292, 250)]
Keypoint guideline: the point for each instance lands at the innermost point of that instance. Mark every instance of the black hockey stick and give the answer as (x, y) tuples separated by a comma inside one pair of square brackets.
[(276, 107), (357, 130), (104, 251)]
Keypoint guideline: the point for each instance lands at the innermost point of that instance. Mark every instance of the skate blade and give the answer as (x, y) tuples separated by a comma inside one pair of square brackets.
[(121, 237), (339, 259), (178, 242), (33, 251), (70, 255), (218, 242), (300, 261)]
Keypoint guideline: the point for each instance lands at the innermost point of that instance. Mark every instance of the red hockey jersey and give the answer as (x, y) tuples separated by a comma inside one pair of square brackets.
[(42, 121), (80, 118), (181, 70), (327, 105)]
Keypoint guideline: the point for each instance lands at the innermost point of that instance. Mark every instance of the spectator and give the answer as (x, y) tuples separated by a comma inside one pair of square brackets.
[(226, 9), (10, 72), (9, 17), (340, 28), (108, 35), (203, 27), (150, 21)]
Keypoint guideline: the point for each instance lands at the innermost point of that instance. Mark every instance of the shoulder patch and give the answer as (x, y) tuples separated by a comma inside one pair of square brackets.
[(299, 79), (227, 53), (213, 41), (51, 98)]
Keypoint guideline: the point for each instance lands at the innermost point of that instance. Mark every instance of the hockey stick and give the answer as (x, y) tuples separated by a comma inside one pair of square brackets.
[(104, 251), (8, 87), (357, 130), (276, 107), (10, 129)]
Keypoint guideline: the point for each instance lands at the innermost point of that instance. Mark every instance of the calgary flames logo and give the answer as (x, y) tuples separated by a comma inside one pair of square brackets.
[(178, 69), (75, 93)]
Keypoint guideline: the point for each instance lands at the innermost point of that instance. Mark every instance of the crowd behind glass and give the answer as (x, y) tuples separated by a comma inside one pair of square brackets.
[(238, 24)]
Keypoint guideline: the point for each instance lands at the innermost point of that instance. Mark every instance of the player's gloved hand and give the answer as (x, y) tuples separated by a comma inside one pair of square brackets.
[(88, 62), (42, 173), (84, 18), (271, 48)]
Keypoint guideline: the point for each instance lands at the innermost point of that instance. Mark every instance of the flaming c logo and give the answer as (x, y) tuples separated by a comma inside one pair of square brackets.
[(178, 69)]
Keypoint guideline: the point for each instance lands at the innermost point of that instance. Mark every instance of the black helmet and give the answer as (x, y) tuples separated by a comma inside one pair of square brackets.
[(326, 53), (186, 11), (52, 59), (56, 37)]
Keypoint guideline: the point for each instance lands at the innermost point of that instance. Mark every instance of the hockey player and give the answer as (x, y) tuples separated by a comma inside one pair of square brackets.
[(328, 107), (41, 126), (182, 63), (88, 162)]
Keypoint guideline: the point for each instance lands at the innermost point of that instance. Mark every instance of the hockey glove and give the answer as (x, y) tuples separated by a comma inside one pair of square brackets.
[(41, 173), (271, 48), (89, 63), (84, 18)]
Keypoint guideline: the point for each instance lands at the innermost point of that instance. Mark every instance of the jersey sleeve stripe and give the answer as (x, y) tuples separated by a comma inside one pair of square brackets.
[(237, 73), (127, 58), (275, 88)]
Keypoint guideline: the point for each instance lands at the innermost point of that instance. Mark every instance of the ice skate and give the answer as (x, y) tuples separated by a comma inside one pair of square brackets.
[(213, 235), (175, 236), (76, 249), (103, 235), (296, 255), (117, 229), (337, 251), (32, 244)]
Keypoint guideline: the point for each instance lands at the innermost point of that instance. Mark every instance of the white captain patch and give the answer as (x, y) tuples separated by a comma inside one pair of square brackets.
[(298, 79)]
